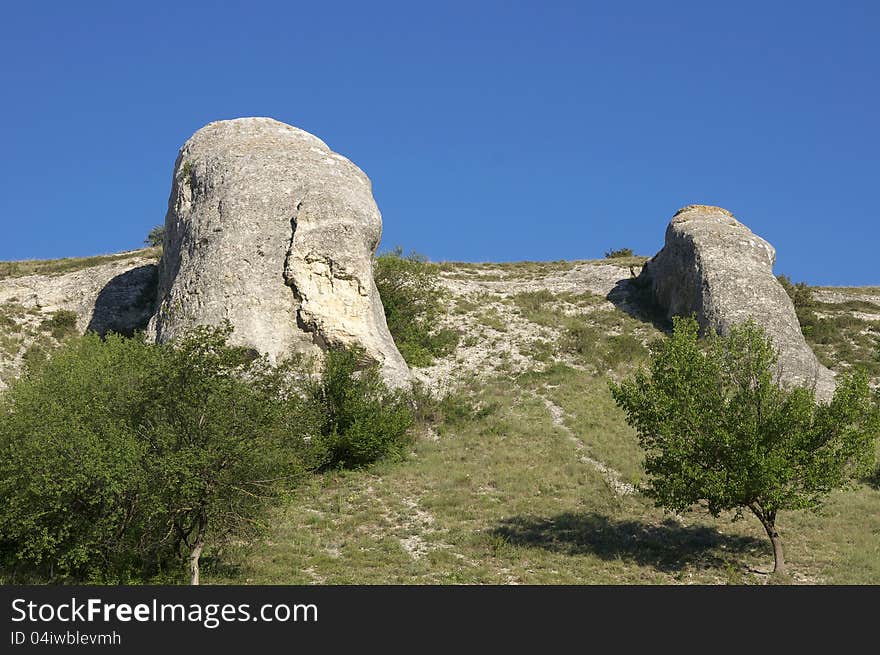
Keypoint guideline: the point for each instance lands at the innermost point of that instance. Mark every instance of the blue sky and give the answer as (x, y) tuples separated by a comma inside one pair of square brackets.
[(492, 131)]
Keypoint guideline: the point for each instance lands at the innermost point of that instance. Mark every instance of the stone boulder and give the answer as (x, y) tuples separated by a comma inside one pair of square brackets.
[(271, 230), (715, 267)]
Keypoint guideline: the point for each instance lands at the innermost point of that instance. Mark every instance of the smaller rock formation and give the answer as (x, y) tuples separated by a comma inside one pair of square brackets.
[(114, 295), (715, 267)]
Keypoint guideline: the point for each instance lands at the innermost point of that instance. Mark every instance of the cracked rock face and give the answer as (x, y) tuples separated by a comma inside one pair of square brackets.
[(271, 230), (714, 266)]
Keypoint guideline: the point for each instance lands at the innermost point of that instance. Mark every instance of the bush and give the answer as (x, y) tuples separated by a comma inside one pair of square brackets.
[(155, 236), (413, 300), (619, 253), (69, 471), (61, 324), (802, 298), (360, 419)]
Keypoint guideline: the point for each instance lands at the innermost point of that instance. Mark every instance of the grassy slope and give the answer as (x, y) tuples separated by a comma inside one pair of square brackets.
[(507, 493), (68, 264), (506, 496), (504, 499)]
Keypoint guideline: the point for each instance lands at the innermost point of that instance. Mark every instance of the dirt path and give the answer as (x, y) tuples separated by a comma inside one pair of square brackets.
[(612, 477)]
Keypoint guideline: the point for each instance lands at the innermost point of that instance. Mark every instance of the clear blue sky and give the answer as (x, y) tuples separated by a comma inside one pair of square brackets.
[(492, 131)]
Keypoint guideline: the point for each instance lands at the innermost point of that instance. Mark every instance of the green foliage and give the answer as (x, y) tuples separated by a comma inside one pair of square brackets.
[(814, 328), (617, 254), (603, 338), (225, 432), (413, 300), (840, 339), (69, 471), (801, 294), (360, 419), (120, 459), (155, 237), (718, 430), (61, 324), (36, 354)]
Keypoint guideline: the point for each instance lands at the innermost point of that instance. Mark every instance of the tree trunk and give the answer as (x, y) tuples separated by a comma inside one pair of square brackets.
[(778, 556), (194, 556), (768, 520)]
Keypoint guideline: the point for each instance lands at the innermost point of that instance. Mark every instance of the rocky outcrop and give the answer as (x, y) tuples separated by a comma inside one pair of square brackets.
[(116, 296), (112, 297), (715, 267), (271, 230)]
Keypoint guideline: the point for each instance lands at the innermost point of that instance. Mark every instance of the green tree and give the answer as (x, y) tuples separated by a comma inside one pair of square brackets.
[(413, 301), (70, 474), (225, 433), (120, 458), (804, 306), (718, 429), (155, 236)]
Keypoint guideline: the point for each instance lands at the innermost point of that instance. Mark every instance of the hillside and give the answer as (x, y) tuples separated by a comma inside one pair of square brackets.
[(531, 474)]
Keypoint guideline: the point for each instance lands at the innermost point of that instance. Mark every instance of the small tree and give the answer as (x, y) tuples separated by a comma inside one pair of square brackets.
[(155, 236), (225, 433), (70, 463), (718, 429)]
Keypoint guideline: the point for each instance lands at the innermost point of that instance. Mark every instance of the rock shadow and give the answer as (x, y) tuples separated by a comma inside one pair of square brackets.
[(633, 296), (125, 304), (667, 547)]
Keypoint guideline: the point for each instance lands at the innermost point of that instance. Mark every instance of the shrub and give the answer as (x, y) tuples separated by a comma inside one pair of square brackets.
[(413, 300), (69, 471), (802, 298), (619, 253), (360, 419), (120, 460), (226, 432), (155, 236), (61, 324)]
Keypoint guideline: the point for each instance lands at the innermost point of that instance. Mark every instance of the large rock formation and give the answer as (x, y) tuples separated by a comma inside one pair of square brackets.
[(270, 229), (714, 266)]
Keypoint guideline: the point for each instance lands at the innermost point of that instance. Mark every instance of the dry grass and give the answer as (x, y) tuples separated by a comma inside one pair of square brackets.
[(69, 264)]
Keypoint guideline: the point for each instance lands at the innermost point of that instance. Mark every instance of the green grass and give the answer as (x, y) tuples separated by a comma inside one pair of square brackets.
[(501, 497), (527, 270), (841, 340), (492, 319), (604, 337), (68, 264)]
